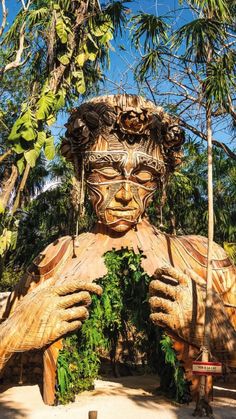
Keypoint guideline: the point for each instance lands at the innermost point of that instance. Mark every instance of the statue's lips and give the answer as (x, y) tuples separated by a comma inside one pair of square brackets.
[(123, 213)]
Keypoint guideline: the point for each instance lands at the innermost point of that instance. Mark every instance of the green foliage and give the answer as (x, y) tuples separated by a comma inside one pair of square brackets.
[(178, 373), (64, 62), (198, 36), (230, 248), (221, 80), (10, 278), (122, 304), (151, 32), (218, 8), (152, 29), (117, 11), (185, 208), (5, 241)]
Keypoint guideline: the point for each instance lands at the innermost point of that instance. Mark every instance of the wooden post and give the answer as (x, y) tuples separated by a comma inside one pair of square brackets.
[(93, 414)]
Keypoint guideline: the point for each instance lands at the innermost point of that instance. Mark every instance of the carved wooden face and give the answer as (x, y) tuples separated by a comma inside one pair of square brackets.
[(121, 184)]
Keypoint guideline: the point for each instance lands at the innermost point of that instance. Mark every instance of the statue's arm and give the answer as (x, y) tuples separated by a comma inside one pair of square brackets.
[(45, 315), (178, 303)]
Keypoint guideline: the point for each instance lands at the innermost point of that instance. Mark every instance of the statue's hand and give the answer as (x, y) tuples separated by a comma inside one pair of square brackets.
[(177, 303), (48, 313)]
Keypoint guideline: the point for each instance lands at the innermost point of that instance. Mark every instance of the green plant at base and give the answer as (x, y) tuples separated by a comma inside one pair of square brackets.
[(181, 386)]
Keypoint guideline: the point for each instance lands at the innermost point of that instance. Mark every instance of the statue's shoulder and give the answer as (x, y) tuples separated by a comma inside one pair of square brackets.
[(49, 263), (45, 265), (197, 246)]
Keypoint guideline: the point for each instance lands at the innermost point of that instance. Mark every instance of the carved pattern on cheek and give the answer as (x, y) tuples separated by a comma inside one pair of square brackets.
[(102, 201), (96, 198)]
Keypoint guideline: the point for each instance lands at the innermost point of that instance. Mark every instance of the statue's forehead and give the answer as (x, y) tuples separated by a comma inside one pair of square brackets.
[(122, 158)]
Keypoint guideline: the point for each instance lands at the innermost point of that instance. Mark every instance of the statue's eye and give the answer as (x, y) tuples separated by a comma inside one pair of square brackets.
[(109, 172), (144, 176)]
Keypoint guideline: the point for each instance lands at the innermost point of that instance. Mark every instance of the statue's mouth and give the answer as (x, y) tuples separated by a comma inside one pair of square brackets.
[(123, 213)]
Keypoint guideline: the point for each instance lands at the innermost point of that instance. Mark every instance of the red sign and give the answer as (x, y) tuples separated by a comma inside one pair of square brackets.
[(207, 368)]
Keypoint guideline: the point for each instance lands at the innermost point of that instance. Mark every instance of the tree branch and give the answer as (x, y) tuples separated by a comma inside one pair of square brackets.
[(150, 90), (25, 5), (8, 186), (4, 17), (21, 188), (200, 134), (5, 155), (17, 62)]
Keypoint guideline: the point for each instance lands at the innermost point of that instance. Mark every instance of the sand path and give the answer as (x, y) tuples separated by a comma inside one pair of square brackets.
[(125, 398)]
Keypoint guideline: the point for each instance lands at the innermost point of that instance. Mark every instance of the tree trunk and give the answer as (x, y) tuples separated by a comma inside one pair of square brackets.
[(203, 407), (7, 187), (21, 188)]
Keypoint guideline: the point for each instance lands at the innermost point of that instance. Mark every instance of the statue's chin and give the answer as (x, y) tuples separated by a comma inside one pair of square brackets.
[(121, 226)]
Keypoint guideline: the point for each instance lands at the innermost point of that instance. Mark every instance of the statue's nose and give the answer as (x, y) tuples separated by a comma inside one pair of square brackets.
[(124, 194)]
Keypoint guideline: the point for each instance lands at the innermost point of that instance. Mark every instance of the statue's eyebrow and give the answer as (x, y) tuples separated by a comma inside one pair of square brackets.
[(148, 161), (105, 157)]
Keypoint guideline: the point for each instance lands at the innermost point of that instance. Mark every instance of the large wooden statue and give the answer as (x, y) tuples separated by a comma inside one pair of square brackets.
[(123, 148)]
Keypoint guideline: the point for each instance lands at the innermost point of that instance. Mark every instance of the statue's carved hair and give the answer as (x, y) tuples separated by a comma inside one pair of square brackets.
[(131, 118)]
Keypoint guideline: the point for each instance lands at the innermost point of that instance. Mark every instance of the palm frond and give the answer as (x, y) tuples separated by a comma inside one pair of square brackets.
[(197, 36), (152, 28)]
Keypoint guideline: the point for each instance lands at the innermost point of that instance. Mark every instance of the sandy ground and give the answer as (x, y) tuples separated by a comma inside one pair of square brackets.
[(125, 398)]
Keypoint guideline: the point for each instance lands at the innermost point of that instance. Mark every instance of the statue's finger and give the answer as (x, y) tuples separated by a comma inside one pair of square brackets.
[(70, 326), (82, 298), (158, 303), (157, 286), (75, 313), (174, 273), (75, 285), (161, 319)]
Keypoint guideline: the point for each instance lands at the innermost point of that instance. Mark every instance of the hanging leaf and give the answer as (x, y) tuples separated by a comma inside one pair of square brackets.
[(2, 209), (35, 16), (59, 102), (61, 30), (21, 165), (17, 147), (80, 83), (41, 137), (45, 105), (81, 58), (28, 119), (49, 148), (108, 36), (64, 59), (31, 157), (5, 241), (29, 134), (90, 51)]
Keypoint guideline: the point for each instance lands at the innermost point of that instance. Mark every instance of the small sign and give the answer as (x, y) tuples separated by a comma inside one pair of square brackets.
[(206, 368)]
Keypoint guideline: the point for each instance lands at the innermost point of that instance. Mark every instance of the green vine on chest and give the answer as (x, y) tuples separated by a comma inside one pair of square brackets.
[(121, 311)]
